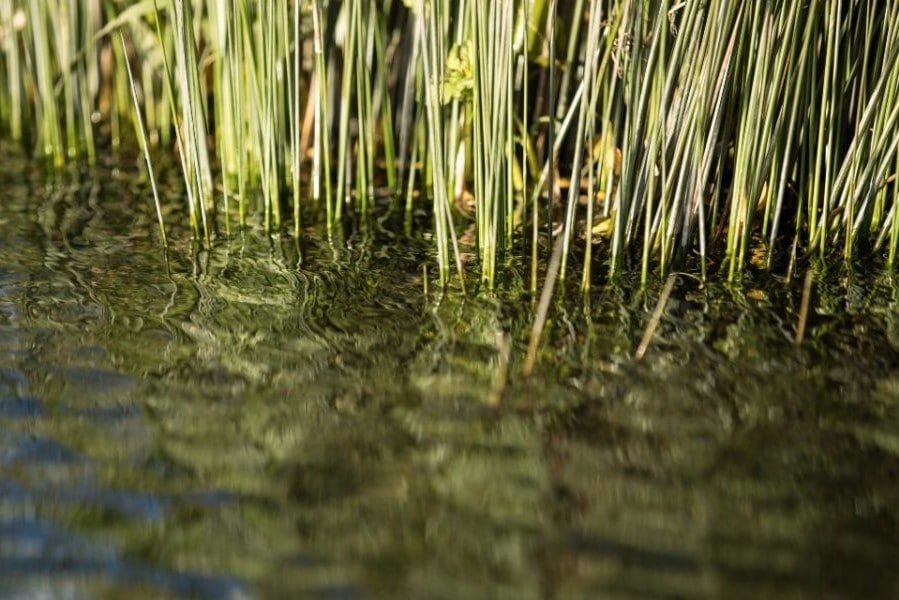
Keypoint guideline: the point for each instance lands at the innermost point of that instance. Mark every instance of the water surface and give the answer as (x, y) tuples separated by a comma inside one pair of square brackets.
[(239, 424)]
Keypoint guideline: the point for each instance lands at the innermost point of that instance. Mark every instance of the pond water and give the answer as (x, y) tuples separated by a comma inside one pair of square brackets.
[(228, 424)]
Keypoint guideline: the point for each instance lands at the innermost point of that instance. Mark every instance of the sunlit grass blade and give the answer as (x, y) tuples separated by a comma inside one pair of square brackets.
[(434, 46), (142, 140)]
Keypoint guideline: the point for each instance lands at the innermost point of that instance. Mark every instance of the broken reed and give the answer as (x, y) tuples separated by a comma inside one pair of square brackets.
[(707, 129)]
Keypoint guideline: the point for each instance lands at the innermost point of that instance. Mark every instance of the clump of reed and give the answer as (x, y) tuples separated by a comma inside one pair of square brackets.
[(633, 134)]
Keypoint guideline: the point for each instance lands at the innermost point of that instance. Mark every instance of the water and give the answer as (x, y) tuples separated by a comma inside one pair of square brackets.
[(238, 427)]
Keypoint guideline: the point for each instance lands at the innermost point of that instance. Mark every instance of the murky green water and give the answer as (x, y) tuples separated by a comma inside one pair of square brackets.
[(245, 428)]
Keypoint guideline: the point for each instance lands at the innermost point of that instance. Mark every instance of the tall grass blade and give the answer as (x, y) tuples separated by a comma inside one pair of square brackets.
[(142, 140)]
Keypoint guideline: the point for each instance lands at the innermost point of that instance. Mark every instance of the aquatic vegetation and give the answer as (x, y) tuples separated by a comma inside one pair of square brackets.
[(631, 134), (271, 406)]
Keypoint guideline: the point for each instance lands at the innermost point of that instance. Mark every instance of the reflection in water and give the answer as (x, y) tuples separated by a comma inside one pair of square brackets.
[(240, 427)]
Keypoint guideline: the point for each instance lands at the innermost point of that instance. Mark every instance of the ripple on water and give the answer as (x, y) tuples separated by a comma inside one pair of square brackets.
[(236, 424)]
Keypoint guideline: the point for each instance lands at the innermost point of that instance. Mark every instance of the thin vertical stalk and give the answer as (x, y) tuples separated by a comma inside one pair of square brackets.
[(142, 140)]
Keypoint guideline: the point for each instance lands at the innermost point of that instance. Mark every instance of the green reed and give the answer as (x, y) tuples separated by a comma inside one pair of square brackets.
[(144, 145), (47, 51), (651, 134)]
